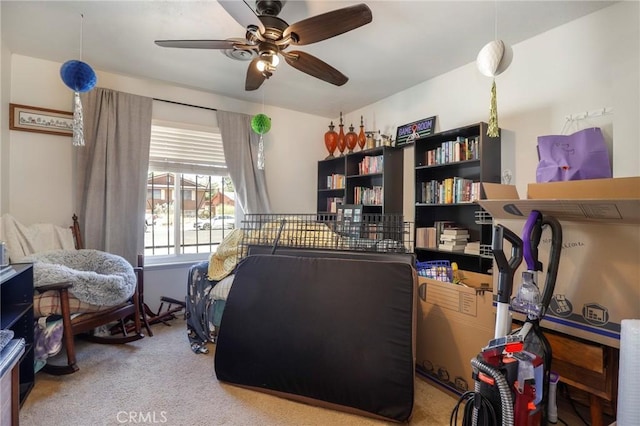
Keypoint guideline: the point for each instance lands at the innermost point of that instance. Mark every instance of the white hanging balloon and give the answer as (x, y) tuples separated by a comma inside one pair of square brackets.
[(494, 58), (507, 57)]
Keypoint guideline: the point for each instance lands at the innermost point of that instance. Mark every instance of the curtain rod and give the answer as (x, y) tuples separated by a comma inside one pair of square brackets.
[(183, 104)]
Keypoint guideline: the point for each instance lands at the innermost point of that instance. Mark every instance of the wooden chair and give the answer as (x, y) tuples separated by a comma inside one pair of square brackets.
[(83, 324)]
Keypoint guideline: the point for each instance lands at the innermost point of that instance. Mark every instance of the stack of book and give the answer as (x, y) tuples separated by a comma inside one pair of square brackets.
[(472, 247), (453, 239)]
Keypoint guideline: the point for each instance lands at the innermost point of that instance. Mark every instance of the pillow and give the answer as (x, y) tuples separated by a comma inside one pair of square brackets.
[(48, 303), (221, 290)]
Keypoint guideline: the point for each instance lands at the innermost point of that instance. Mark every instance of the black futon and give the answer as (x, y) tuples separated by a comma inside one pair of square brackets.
[(333, 332)]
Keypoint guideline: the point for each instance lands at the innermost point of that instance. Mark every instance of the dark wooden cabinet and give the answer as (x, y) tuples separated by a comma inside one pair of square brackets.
[(16, 313), (456, 159), (371, 177)]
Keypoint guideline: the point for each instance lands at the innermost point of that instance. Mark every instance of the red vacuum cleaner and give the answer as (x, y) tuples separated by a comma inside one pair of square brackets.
[(512, 373)]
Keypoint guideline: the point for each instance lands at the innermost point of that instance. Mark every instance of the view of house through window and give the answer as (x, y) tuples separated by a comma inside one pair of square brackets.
[(190, 204), (201, 209)]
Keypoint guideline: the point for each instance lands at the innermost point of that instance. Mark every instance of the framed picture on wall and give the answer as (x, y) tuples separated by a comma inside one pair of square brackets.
[(40, 120)]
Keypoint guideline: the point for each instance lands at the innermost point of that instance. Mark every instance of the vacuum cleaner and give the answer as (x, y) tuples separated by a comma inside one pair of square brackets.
[(514, 385)]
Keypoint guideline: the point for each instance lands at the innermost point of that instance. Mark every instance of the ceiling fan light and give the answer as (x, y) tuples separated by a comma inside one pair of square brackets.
[(268, 62)]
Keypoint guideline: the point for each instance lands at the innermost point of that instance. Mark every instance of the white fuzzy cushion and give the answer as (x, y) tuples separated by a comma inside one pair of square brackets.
[(98, 278)]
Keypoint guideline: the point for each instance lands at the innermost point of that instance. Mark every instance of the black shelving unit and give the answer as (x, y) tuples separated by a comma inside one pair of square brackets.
[(16, 313), (483, 167), (327, 190), (389, 179)]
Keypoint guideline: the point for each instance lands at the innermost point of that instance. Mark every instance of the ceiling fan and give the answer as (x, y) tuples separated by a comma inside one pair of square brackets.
[(268, 36)]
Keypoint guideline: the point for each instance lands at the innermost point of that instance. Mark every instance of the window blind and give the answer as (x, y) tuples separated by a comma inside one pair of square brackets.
[(185, 148)]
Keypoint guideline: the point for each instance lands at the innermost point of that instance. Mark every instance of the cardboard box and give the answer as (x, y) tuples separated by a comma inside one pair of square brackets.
[(611, 201), (600, 189), (598, 282), (454, 323)]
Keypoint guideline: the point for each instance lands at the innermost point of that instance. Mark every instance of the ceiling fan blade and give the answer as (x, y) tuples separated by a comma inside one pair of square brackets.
[(254, 76), (197, 44), (315, 67), (242, 13), (330, 24)]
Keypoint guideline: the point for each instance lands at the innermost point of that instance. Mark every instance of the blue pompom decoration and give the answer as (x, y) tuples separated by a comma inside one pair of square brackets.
[(78, 76)]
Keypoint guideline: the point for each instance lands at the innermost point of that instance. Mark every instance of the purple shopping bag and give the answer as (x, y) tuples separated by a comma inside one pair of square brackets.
[(581, 155)]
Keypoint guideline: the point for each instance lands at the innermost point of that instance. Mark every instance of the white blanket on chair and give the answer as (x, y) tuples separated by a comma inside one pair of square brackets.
[(24, 240)]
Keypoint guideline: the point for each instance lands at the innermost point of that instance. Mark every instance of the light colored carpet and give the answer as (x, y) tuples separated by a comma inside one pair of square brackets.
[(159, 380)]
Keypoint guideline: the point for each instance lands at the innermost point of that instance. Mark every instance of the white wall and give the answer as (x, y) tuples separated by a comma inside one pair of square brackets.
[(5, 84), (40, 160), (584, 65), (38, 177)]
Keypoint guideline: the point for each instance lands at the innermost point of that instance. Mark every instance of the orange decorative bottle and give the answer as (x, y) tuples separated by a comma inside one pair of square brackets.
[(362, 138), (331, 141), (352, 139), (342, 143)]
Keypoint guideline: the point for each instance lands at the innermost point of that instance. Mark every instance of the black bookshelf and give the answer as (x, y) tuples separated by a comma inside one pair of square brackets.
[(435, 161), (389, 179)]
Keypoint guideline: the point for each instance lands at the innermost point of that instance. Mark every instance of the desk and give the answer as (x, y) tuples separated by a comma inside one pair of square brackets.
[(588, 366)]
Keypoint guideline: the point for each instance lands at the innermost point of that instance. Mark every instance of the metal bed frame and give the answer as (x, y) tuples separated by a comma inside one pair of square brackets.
[(380, 233)]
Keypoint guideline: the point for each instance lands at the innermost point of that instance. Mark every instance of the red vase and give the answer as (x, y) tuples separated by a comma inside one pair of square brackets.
[(331, 141), (362, 138), (342, 143), (351, 139)]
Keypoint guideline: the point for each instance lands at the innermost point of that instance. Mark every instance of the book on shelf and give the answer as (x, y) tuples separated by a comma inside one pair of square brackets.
[(452, 246), (421, 237), (456, 231), (460, 149), (369, 196), (333, 203), (454, 238), (335, 181), (441, 225), (452, 190), (432, 242), (371, 164), (426, 237), (472, 247), (450, 236)]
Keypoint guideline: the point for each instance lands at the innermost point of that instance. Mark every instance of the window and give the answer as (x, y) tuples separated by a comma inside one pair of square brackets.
[(190, 198)]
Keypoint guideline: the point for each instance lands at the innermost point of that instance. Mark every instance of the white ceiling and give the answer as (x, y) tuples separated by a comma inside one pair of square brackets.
[(408, 42)]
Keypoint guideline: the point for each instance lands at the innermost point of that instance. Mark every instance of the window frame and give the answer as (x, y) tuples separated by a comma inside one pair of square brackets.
[(192, 166)]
